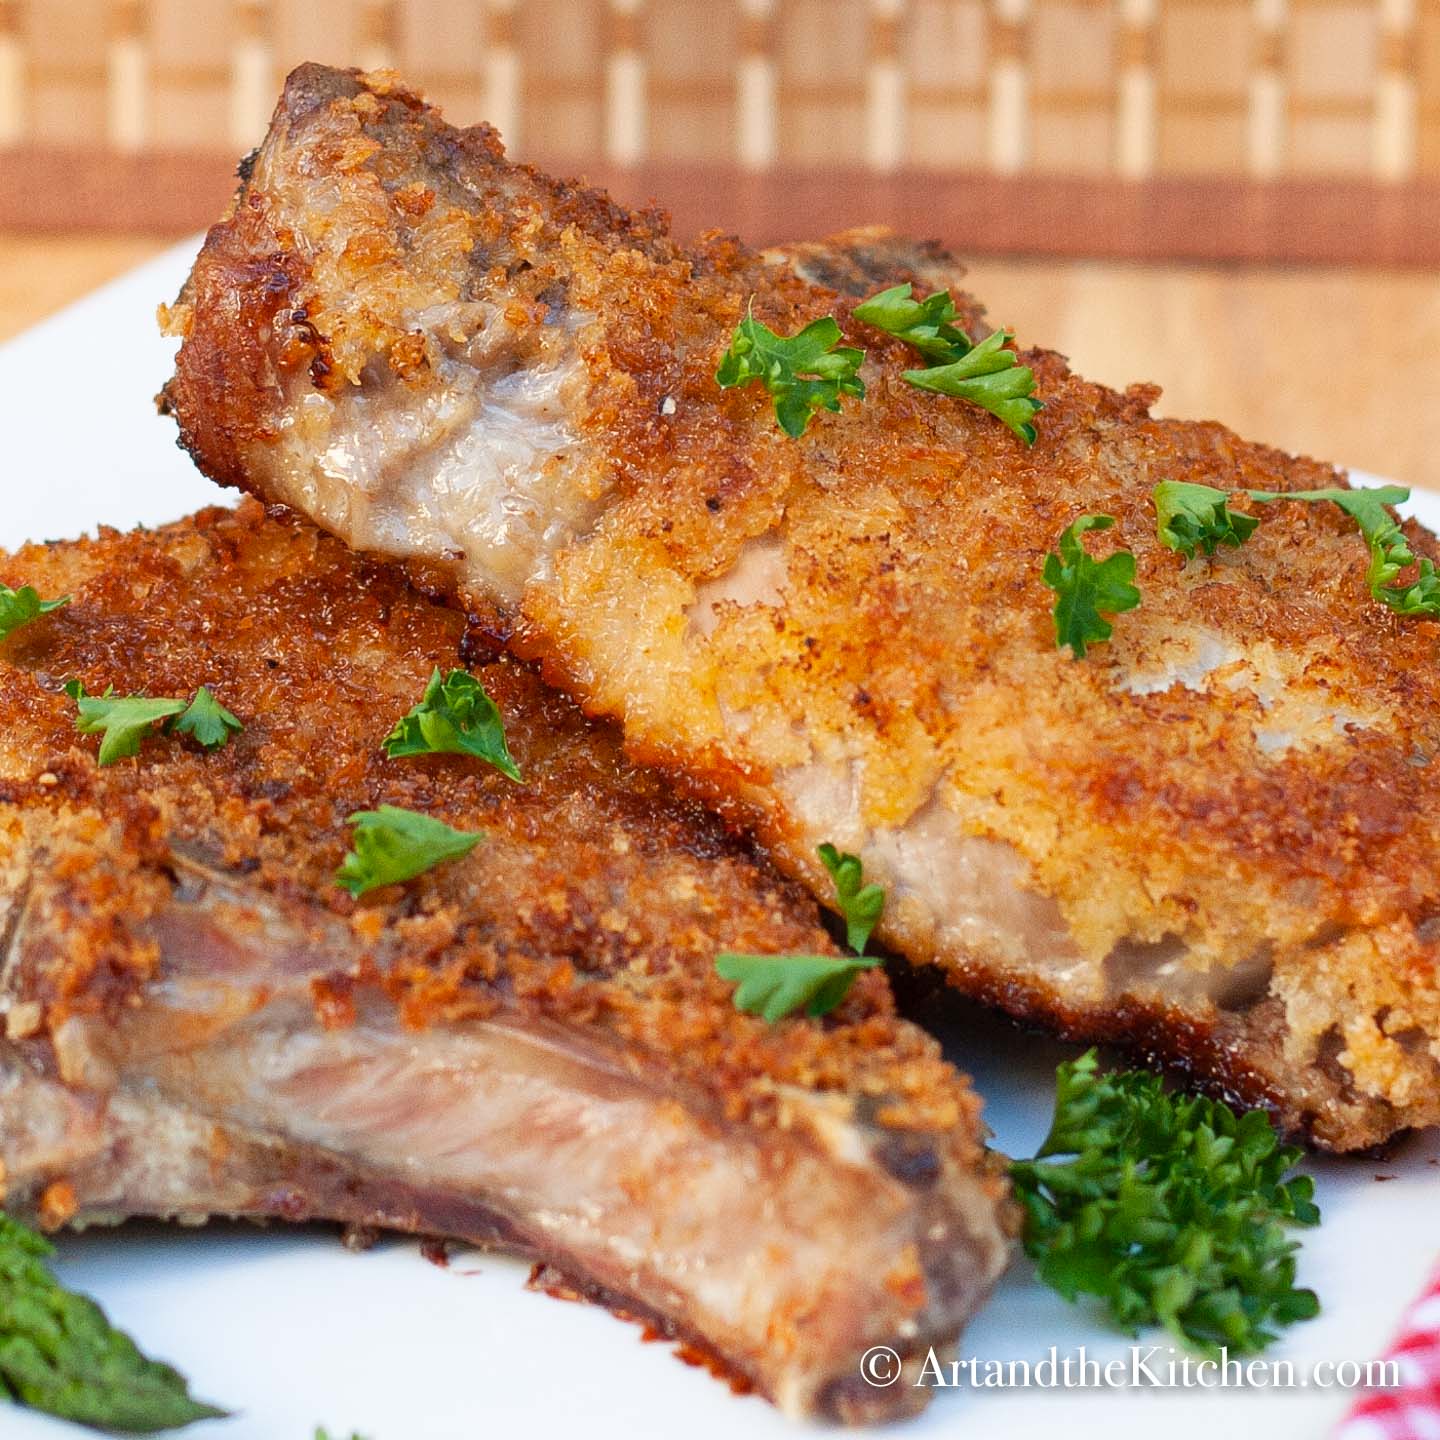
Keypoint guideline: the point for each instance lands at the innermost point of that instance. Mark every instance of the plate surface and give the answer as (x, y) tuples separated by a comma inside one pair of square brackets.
[(292, 1331)]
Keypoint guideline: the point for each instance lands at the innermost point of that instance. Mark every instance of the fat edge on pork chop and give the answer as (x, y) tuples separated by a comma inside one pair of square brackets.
[(526, 1048), (1214, 839)]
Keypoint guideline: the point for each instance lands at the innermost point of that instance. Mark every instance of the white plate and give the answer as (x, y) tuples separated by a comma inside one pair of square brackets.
[(292, 1331)]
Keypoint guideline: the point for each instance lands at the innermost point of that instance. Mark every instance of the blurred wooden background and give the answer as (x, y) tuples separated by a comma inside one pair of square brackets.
[(1033, 135), (1250, 129)]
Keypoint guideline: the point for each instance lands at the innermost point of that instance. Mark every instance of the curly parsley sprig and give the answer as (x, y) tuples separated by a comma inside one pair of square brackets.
[(1389, 551), (804, 373), (986, 374), (125, 721), (1197, 517), (860, 904), (392, 845), (1170, 1209), (925, 325), (20, 607), (1084, 587), (455, 716), (774, 986), (1190, 517)]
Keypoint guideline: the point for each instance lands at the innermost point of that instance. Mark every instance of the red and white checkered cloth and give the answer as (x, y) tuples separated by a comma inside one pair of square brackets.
[(1411, 1412)]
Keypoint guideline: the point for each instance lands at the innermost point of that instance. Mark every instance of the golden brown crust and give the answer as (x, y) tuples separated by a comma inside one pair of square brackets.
[(528, 1047), (1278, 808), (397, 238), (596, 899)]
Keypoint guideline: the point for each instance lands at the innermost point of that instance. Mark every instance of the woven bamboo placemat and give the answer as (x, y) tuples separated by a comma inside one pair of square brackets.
[(1259, 129)]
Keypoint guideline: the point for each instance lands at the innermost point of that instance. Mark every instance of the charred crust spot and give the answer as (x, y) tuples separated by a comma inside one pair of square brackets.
[(319, 366), (1234, 1057), (860, 262), (487, 633), (241, 293)]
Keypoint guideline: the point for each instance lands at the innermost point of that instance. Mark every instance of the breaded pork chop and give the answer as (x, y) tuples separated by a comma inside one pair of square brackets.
[(1214, 839), (526, 1048)]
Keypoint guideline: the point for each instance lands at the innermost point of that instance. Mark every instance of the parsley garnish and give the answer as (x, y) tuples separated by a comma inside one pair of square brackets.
[(393, 845), (123, 720), (1389, 551), (208, 721), (455, 717), (1191, 517), (1187, 515), (924, 325), (859, 904), (126, 720), (989, 377), (1084, 587), (985, 374), (805, 372), (1169, 1208), (20, 607), (59, 1354), (775, 986)]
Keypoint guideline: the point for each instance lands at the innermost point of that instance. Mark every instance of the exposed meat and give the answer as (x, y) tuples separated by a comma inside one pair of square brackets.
[(1215, 838), (527, 1048)]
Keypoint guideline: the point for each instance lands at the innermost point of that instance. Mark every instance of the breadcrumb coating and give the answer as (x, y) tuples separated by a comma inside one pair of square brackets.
[(1213, 839), (597, 897), (177, 953)]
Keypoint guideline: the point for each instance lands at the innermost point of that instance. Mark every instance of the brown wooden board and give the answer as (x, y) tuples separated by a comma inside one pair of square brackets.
[(1220, 218)]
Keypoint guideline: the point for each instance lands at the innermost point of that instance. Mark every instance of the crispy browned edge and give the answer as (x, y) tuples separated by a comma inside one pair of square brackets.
[(272, 614), (240, 288)]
